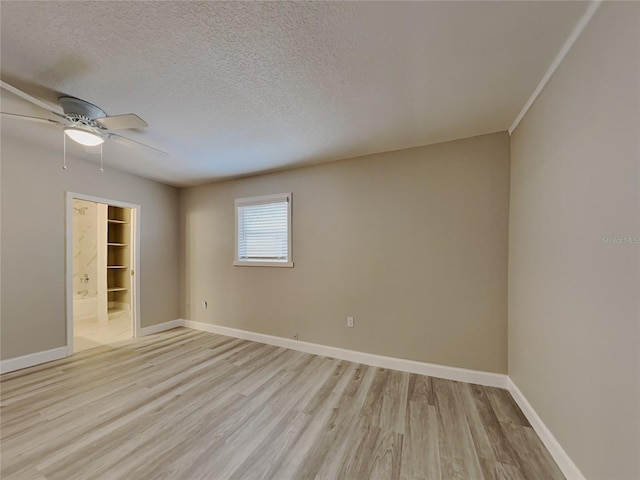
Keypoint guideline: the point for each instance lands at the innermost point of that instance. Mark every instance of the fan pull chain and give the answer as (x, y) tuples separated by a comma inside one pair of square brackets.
[(101, 158), (64, 151)]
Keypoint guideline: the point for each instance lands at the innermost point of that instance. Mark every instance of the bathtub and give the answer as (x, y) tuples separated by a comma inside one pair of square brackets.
[(85, 308)]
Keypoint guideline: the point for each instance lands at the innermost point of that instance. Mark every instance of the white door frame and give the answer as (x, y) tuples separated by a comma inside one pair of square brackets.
[(135, 285)]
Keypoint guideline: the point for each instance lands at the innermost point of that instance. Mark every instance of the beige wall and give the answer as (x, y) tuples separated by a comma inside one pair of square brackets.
[(411, 243), (574, 300), (33, 241)]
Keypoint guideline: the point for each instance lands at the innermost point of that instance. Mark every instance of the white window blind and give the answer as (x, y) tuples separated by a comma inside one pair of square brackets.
[(263, 230)]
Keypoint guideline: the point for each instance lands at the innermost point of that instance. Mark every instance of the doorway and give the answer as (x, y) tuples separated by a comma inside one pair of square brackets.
[(102, 265)]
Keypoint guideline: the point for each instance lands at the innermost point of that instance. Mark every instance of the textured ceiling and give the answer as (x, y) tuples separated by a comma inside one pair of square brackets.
[(231, 89)]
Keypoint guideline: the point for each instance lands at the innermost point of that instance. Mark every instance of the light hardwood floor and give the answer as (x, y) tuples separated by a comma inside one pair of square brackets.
[(190, 405)]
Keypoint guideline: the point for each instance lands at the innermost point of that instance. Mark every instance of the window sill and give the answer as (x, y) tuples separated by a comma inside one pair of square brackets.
[(263, 264)]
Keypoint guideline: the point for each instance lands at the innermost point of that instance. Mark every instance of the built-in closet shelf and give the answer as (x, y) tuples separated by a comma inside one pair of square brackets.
[(118, 261), (114, 261), (117, 289)]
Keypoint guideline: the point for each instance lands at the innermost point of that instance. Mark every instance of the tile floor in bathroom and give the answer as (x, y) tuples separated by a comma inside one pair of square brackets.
[(89, 333)]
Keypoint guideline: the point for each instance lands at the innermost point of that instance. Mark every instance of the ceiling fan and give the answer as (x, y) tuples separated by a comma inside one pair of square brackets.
[(84, 122)]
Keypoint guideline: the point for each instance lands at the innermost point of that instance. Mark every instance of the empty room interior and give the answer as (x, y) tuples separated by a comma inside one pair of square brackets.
[(320, 240)]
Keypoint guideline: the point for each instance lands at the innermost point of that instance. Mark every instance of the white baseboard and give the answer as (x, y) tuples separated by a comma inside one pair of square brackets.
[(569, 469), (411, 366), (25, 361), (160, 327), (18, 363)]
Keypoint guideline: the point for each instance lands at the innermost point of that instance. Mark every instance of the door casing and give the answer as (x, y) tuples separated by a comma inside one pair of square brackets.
[(135, 250)]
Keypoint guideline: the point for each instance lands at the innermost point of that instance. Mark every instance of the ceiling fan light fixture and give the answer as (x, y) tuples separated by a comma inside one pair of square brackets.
[(83, 137)]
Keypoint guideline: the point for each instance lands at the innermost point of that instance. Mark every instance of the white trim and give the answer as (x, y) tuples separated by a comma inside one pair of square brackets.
[(569, 469), (135, 252), (262, 199), (161, 327), (573, 36), (25, 361), (411, 366), (262, 264), (101, 262)]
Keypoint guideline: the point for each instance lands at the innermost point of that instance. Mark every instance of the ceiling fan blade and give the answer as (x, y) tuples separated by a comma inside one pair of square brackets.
[(121, 122), (33, 119), (30, 99), (127, 141)]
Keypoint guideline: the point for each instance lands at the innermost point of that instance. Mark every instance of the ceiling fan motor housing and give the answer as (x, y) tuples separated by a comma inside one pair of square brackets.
[(84, 122), (81, 112)]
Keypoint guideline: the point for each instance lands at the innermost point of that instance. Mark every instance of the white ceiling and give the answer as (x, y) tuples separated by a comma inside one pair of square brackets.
[(231, 89)]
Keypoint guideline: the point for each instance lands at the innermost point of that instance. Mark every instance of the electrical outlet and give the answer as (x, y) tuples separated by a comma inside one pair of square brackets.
[(350, 322), (205, 304), (295, 335)]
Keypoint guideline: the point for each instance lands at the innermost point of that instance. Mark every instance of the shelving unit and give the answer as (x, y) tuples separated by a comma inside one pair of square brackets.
[(118, 260)]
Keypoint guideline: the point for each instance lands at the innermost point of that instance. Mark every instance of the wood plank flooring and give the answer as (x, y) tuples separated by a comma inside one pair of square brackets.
[(191, 405)]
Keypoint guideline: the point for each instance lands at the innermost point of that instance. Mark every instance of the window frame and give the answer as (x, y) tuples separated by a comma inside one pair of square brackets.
[(262, 200)]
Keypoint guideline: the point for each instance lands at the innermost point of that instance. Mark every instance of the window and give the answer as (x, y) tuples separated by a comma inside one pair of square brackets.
[(263, 231)]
